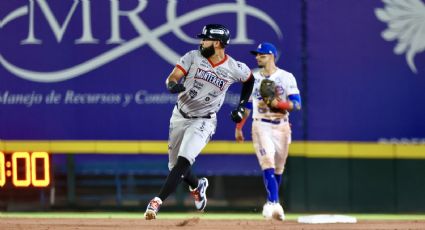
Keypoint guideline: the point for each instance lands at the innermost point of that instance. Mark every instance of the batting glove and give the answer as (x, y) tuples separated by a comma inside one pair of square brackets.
[(174, 87), (237, 114)]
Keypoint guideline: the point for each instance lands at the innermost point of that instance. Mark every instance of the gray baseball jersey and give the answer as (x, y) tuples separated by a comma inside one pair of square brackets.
[(206, 84)]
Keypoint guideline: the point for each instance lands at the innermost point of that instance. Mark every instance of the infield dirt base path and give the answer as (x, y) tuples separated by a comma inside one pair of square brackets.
[(191, 224)]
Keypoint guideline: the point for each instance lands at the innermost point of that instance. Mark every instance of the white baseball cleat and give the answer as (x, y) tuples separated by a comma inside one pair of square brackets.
[(268, 209), (278, 213)]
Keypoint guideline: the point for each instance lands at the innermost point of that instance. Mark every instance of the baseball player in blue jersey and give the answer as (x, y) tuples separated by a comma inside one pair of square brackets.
[(275, 93), (201, 79)]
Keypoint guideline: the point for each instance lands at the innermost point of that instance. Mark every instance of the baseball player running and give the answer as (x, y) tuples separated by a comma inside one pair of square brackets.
[(201, 78), (275, 93)]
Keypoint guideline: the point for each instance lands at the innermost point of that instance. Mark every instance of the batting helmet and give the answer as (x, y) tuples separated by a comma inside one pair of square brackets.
[(216, 32)]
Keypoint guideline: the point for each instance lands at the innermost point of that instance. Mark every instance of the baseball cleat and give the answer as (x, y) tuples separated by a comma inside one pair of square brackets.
[(268, 209), (200, 194), (153, 208), (278, 213)]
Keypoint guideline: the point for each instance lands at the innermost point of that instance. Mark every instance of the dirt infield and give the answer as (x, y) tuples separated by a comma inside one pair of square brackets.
[(193, 223)]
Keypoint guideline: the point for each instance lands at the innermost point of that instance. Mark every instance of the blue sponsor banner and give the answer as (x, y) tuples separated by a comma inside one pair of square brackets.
[(88, 69), (366, 75), (95, 69)]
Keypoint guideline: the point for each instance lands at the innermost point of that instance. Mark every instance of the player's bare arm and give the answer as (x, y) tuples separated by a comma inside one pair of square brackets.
[(293, 103), (238, 130), (172, 81)]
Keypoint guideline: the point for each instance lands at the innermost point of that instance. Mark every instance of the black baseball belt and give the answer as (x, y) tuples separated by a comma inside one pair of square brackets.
[(187, 116), (274, 122)]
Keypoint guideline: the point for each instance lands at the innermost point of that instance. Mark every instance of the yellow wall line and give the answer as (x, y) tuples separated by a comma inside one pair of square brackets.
[(310, 149)]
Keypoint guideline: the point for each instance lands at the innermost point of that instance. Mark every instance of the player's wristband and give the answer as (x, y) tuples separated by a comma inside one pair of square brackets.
[(242, 123), (286, 105), (171, 84)]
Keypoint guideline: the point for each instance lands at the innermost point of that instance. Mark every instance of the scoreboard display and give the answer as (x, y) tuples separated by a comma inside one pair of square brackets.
[(24, 169)]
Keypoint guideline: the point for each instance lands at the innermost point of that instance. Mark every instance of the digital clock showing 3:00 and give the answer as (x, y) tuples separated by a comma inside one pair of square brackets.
[(25, 169)]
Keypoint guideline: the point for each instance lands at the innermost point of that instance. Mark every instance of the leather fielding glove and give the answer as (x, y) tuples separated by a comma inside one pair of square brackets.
[(267, 91)]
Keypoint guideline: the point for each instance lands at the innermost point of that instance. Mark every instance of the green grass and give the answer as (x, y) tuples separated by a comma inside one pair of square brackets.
[(183, 215)]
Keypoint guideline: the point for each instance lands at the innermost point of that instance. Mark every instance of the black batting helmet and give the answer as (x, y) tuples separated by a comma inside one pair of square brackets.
[(216, 32)]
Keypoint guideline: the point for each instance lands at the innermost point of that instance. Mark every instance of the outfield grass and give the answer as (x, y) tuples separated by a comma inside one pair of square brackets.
[(184, 215)]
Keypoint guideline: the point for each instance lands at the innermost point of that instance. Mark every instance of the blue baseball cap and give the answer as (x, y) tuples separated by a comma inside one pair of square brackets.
[(265, 48)]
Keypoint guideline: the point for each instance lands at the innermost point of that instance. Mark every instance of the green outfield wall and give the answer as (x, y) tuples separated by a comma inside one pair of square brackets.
[(319, 177), (355, 185)]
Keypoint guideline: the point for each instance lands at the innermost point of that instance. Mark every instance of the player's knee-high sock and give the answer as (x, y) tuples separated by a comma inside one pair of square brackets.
[(278, 179), (174, 177), (191, 179), (271, 185)]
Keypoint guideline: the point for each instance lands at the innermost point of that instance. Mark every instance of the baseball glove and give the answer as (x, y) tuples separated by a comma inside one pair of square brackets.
[(267, 91)]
